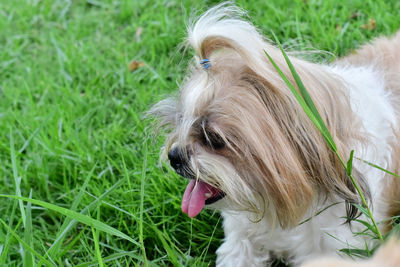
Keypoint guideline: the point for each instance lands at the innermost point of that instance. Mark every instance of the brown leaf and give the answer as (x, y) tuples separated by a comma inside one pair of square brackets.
[(355, 15), (371, 25), (135, 64)]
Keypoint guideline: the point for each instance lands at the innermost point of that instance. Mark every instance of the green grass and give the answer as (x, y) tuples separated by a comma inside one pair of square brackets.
[(72, 129)]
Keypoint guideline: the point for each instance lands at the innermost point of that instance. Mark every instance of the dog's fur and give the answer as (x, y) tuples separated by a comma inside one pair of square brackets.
[(240, 129), (386, 256)]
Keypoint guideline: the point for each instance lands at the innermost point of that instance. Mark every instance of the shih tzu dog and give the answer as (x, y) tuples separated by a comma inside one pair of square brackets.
[(239, 136)]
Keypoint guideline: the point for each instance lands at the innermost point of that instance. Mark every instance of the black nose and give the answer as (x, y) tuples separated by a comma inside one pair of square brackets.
[(175, 158)]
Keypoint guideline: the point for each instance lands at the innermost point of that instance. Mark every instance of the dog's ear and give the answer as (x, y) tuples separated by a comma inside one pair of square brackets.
[(294, 163)]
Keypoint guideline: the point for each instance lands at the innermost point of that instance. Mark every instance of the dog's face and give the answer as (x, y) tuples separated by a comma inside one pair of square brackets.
[(238, 133), (230, 137)]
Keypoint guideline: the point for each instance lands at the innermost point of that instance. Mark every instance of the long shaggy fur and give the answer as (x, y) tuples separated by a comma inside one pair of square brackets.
[(275, 167)]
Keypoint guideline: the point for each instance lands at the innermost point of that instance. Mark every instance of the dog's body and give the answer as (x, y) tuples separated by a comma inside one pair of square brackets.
[(240, 135), (326, 233)]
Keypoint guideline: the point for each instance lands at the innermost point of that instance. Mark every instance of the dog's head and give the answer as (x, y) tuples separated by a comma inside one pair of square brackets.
[(238, 133)]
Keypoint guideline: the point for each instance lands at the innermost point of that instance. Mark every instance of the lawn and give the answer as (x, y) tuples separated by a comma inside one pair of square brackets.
[(76, 77)]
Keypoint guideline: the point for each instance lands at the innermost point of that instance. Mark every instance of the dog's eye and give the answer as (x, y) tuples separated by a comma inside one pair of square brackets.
[(213, 140)]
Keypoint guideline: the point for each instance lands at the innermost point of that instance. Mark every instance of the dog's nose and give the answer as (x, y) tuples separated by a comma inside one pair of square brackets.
[(175, 158)]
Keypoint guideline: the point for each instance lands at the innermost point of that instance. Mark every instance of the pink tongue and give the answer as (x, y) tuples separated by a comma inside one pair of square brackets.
[(194, 198)]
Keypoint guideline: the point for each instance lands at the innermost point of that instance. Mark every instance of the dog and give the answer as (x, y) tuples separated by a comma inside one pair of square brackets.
[(240, 137)]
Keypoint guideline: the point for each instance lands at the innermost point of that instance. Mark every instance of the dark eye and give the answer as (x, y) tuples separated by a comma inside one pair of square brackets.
[(213, 140)]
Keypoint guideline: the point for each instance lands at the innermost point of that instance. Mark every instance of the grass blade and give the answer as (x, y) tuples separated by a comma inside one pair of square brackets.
[(379, 168), (361, 253), (28, 257), (143, 248), (115, 256), (319, 212), (61, 232), (8, 240), (295, 93), (307, 99), (17, 180), (366, 224), (208, 244), (97, 247), (349, 168), (361, 208), (78, 217), (170, 252), (25, 245), (89, 207), (166, 241)]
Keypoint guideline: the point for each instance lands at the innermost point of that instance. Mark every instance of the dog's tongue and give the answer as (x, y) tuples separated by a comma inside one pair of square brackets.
[(195, 196)]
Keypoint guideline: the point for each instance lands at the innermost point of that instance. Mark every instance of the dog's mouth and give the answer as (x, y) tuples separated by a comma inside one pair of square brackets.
[(197, 195)]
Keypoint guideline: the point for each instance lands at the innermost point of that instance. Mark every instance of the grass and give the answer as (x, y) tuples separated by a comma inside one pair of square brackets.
[(72, 133)]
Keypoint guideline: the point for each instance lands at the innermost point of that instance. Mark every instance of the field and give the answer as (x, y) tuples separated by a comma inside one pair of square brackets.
[(76, 78)]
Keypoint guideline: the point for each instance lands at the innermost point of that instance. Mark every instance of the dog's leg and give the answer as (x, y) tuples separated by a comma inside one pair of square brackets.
[(241, 246)]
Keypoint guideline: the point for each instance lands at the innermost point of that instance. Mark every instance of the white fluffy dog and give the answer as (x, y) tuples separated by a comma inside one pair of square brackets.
[(248, 149)]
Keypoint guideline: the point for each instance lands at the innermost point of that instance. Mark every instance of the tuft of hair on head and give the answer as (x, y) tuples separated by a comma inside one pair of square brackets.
[(222, 18), (223, 26)]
